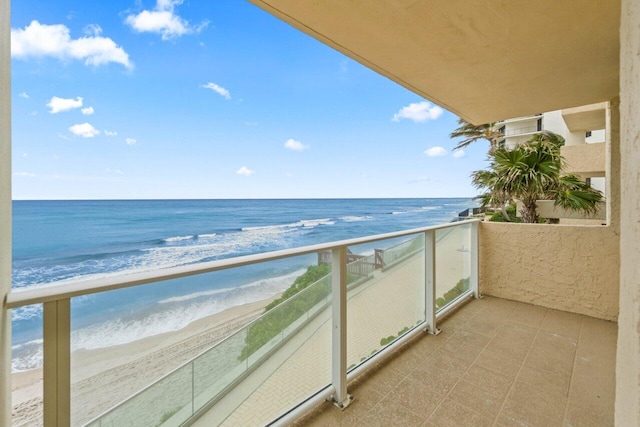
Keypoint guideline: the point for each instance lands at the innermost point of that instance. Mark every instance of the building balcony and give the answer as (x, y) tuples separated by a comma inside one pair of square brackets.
[(370, 330), (586, 160), (496, 362)]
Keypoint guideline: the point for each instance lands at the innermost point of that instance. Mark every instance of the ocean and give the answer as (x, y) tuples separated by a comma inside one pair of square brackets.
[(63, 241)]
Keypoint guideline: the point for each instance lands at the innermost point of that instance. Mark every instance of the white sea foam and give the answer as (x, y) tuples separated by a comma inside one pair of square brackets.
[(207, 236), (152, 259), (430, 208), (305, 223), (178, 239), (399, 212), (356, 218), (26, 356), (169, 317)]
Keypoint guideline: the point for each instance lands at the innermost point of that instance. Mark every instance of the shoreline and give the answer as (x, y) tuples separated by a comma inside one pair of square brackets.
[(103, 377)]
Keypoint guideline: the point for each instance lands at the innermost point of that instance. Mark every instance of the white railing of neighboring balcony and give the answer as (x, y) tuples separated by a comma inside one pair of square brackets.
[(56, 302)]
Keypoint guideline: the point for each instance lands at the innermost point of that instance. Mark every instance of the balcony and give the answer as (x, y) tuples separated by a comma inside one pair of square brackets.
[(586, 160), (369, 329), (497, 362)]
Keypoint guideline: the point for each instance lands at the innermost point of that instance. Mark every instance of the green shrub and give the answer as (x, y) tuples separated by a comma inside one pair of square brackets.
[(277, 317), (387, 340), (496, 216), (453, 293), (167, 415)]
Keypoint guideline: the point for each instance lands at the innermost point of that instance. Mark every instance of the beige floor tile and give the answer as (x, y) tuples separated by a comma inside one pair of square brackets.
[(524, 375), (486, 401), (530, 406), (440, 381), (484, 325), (498, 363), (588, 416), (452, 414), (385, 379), (529, 315), (555, 384), (388, 413), (365, 399), (416, 396), (562, 323)]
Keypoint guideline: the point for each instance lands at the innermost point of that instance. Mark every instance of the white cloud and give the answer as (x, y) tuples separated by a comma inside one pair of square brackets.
[(84, 130), (39, 40), (458, 153), (23, 95), (25, 174), (88, 111), (218, 89), (58, 105), (436, 151), (294, 145), (130, 141), (245, 171), (93, 30), (110, 133), (418, 112), (163, 20)]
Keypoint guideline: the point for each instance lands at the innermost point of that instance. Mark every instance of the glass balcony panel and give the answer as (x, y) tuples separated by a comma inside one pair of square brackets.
[(166, 403), (125, 342), (385, 294), (287, 352), (26, 365), (453, 261)]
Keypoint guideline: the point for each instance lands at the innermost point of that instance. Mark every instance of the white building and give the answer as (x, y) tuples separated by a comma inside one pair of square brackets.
[(583, 129)]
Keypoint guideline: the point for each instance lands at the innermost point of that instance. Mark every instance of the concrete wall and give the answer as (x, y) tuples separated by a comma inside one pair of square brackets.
[(587, 160), (554, 122), (569, 268), (628, 353)]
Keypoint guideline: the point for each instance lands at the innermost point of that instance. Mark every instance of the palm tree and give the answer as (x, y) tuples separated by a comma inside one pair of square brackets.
[(533, 171), (473, 133), (494, 196)]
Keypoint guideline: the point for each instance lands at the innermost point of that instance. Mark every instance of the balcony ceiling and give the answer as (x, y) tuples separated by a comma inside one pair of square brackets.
[(484, 60), (586, 117)]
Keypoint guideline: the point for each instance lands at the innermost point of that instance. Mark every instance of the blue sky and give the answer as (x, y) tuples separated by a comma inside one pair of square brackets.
[(212, 99)]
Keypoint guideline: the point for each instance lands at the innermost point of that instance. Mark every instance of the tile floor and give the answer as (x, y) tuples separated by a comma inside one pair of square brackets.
[(496, 363)]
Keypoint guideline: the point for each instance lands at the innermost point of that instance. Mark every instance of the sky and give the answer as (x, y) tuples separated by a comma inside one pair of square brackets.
[(171, 99)]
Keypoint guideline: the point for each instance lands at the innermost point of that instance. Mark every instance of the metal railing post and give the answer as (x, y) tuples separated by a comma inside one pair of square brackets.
[(430, 281), (473, 259), (57, 363), (340, 398)]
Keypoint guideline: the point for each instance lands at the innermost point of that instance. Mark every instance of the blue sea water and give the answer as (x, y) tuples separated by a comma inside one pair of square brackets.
[(65, 241)]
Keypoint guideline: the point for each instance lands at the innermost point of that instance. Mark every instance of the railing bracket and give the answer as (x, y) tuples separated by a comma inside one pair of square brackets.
[(342, 405)]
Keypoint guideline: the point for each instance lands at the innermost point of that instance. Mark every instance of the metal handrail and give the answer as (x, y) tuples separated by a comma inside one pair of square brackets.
[(19, 298)]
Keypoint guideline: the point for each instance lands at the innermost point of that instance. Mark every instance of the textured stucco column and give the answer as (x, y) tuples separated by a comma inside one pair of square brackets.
[(628, 352), (613, 161), (5, 210)]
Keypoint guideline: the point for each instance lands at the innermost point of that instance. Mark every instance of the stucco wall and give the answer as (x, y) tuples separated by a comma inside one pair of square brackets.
[(569, 268), (628, 354), (586, 160)]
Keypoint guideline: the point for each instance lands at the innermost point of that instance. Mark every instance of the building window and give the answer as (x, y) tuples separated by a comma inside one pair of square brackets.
[(588, 180), (539, 125), (587, 134), (501, 130)]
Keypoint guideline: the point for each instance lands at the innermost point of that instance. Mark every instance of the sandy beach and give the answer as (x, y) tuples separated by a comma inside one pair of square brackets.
[(103, 377)]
